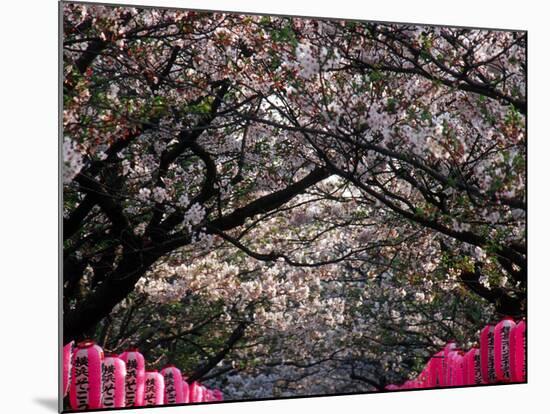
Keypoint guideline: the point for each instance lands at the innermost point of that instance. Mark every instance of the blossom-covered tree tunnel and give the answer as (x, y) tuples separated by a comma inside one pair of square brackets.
[(289, 206)]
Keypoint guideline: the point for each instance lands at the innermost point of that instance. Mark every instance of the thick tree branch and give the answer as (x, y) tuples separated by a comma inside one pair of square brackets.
[(269, 202), (236, 335)]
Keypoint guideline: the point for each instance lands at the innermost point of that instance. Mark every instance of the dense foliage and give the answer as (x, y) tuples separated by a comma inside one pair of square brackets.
[(289, 206)]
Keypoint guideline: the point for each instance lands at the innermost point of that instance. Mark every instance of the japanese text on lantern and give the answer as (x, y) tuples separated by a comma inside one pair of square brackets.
[(81, 381), (491, 361), (170, 388), (109, 386), (150, 391), (131, 381), (505, 335), (477, 368)]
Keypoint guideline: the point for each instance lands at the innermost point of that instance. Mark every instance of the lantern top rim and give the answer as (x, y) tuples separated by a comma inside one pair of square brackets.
[(86, 343)]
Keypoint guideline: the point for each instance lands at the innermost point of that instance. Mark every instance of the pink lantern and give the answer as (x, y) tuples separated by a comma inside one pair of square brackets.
[(195, 392), (457, 378), (135, 377), (114, 382), (450, 347), (472, 367), (504, 349), (218, 395), (466, 369), (67, 360), (450, 368), (173, 386), (85, 388), (519, 367), (435, 368), (154, 388), (208, 395), (411, 384), (487, 352), (185, 387), (423, 379), (204, 393)]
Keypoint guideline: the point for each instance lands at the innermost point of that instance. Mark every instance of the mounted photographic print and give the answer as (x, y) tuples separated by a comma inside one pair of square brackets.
[(262, 207)]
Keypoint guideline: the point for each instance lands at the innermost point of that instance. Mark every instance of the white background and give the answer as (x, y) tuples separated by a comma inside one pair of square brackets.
[(28, 204)]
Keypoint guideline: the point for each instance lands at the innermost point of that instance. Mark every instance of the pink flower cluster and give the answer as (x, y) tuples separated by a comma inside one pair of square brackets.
[(95, 380)]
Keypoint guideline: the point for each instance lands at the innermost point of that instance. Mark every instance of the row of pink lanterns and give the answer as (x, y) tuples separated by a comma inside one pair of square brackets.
[(500, 358), (95, 380)]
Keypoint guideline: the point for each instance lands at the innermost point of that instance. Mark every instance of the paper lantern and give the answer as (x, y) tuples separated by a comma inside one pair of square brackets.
[(135, 377), (185, 387), (504, 349), (218, 395), (67, 360), (195, 392), (154, 388), (472, 367), (450, 347), (487, 352), (85, 388), (466, 369), (424, 377), (173, 386), (457, 369), (211, 396), (519, 367), (449, 368), (413, 384), (114, 382), (435, 368), (208, 395)]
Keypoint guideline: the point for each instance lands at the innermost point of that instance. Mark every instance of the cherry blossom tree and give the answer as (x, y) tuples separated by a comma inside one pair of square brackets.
[(289, 206)]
